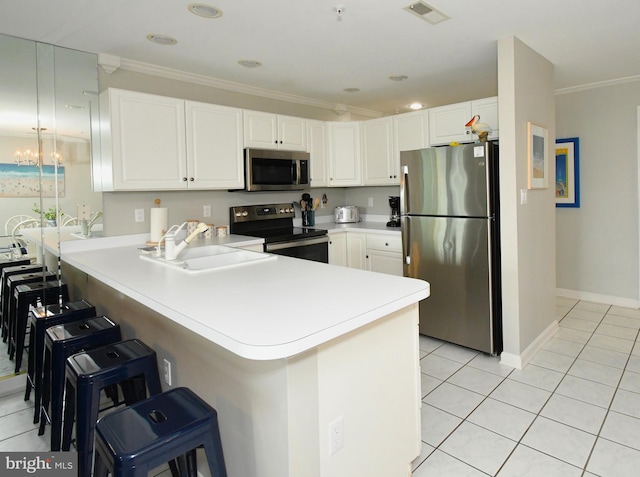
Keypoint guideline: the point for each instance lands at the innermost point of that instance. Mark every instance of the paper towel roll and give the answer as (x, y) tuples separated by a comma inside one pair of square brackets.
[(158, 223)]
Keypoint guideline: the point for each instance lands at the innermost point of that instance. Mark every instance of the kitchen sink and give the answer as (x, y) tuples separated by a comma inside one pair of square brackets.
[(211, 257)]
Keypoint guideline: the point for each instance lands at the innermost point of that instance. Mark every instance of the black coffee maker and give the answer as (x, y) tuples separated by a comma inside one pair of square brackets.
[(394, 203)]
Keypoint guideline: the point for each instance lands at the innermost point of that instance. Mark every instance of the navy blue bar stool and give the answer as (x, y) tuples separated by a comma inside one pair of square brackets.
[(8, 294), (39, 320), (60, 342), (132, 441), (89, 372), (26, 296)]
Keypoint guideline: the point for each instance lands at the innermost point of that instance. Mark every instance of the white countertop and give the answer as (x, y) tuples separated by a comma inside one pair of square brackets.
[(269, 310), (49, 235)]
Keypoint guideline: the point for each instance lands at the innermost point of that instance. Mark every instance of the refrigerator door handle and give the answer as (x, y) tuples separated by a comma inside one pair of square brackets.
[(404, 190), (405, 240)]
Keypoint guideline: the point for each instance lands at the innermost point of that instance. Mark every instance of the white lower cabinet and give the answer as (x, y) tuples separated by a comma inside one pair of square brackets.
[(367, 251), (338, 249), (384, 253), (356, 250)]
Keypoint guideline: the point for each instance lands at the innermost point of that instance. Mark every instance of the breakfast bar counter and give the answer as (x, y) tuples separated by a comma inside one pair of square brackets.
[(288, 351)]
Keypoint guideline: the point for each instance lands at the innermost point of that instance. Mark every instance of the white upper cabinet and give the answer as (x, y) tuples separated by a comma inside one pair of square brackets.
[(143, 141), (487, 109), (447, 123), (274, 131), (411, 130), (152, 142), (214, 146), (379, 158), (317, 149), (344, 154)]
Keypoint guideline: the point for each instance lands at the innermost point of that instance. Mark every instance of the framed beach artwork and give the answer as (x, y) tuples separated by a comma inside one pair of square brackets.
[(568, 172), (537, 156), (20, 180)]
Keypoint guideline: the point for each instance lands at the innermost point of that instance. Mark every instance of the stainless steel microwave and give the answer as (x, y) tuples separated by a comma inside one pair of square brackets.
[(266, 169)]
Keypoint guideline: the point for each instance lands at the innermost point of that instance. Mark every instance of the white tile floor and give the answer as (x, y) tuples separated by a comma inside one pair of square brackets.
[(574, 410)]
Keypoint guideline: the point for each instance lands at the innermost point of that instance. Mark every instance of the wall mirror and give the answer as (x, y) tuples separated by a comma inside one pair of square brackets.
[(48, 117)]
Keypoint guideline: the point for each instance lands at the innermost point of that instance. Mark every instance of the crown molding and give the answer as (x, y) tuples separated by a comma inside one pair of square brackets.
[(599, 84), (209, 81)]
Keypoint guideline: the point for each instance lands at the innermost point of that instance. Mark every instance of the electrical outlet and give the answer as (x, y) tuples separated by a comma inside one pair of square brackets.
[(370, 202), (206, 210), (167, 372), (139, 215), (336, 435), (523, 196)]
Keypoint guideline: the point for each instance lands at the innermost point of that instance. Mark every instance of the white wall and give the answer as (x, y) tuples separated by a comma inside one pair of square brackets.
[(597, 244), (525, 88)]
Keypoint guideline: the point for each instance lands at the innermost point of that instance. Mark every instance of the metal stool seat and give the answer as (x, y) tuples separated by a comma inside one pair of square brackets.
[(132, 441), (39, 320), (89, 372), (60, 342), (27, 295)]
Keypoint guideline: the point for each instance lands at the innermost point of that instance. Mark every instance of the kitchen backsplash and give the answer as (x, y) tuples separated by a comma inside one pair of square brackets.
[(119, 207)]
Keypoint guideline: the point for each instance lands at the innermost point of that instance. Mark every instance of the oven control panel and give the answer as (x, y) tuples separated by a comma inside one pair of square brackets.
[(249, 213)]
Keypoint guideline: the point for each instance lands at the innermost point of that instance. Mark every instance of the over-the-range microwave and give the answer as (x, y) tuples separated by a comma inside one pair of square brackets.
[(266, 169)]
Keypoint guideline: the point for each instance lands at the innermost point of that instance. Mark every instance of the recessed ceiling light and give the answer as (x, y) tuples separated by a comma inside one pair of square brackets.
[(416, 106), (399, 78), (351, 90), (249, 63), (161, 39), (204, 10)]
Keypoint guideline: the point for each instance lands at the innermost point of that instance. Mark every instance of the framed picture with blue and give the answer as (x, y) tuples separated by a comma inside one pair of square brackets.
[(568, 172)]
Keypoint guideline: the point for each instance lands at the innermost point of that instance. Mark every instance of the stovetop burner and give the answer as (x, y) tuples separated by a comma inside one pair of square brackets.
[(272, 222)]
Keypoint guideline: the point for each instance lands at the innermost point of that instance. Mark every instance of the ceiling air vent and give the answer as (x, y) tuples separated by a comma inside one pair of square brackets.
[(427, 12)]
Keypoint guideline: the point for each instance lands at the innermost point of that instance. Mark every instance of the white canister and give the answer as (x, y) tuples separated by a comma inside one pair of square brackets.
[(209, 232), (191, 226), (221, 230)]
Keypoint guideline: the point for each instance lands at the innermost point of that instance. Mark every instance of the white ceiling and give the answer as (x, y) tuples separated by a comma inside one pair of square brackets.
[(306, 51)]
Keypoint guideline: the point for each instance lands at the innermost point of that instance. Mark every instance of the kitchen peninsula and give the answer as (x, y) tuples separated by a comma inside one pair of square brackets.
[(290, 352)]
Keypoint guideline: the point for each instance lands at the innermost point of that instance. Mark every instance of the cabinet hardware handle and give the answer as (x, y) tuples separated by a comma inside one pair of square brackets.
[(386, 244), (192, 179), (184, 179)]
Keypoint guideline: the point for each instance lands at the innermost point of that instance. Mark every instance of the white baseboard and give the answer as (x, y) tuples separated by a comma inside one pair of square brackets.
[(521, 360), (598, 298)]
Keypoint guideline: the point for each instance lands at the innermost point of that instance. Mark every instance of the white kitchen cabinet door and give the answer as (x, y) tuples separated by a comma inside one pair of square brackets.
[(292, 133), (317, 148), (384, 262), (447, 124), (384, 253), (338, 249), (411, 131), (344, 154), (214, 146), (272, 131), (143, 142), (356, 250), (380, 164), (487, 109)]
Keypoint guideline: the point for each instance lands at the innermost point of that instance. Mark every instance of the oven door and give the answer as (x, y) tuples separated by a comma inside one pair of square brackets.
[(315, 249)]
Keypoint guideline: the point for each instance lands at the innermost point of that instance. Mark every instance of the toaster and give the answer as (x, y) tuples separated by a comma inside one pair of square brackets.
[(346, 214)]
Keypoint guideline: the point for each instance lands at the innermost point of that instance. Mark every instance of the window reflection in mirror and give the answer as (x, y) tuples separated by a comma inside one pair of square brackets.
[(49, 106)]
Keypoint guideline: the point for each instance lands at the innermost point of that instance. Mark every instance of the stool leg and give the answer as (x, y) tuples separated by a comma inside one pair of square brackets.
[(46, 391), (215, 457), (69, 413), (38, 357), (30, 365), (57, 398), (86, 417)]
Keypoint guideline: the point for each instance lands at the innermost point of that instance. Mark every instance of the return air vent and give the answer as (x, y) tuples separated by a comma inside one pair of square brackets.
[(427, 13)]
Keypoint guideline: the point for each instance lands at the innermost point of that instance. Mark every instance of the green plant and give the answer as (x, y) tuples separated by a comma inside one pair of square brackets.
[(50, 214)]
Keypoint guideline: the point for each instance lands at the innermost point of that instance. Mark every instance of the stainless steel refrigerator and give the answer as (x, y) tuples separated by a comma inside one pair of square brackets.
[(449, 206)]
